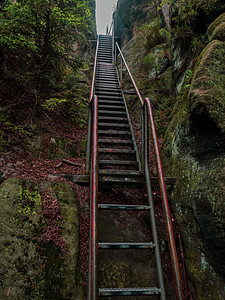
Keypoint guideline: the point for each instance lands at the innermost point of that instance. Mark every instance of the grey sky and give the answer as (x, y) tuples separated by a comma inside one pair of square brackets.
[(104, 10)]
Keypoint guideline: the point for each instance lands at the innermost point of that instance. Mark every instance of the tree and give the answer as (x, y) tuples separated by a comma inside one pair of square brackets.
[(38, 36)]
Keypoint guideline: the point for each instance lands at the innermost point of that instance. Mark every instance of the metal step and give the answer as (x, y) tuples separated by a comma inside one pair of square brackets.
[(113, 125), (111, 141), (107, 102), (108, 93), (126, 245), (100, 83), (112, 113), (110, 97), (107, 89), (122, 207), (112, 119), (114, 133), (129, 291), (114, 151), (105, 74), (126, 163), (114, 107), (118, 172)]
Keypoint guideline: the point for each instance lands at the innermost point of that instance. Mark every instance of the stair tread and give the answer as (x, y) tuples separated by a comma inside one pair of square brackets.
[(115, 141), (117, 162), (118, 172), (111, 118), (109, 97), (111, 106), (107, 150), (126, 245), (129, 291), (123, 207), (114, 132), (112, 112)]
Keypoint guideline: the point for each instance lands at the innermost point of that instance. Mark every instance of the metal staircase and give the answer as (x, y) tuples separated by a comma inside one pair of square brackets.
[(117, 150), (114, 159)]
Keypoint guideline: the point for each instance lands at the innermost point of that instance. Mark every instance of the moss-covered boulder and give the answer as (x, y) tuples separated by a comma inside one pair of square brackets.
[(206, 12), (216, 30), (189, 22), (193, 151), (38, 255)]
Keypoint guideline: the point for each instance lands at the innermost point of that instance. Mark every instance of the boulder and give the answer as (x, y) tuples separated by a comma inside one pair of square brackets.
[(32, 267), (216, 30), (189, 22)]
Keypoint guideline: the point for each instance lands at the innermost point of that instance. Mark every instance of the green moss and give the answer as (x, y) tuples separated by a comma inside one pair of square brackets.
[(30, 269), (209, 7), (198, 196), (215, 24)]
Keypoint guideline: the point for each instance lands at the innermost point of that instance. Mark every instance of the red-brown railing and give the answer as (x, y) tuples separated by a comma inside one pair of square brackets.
[(92, 169), (147, 117), (169, 227), (93, 234), (88, 153)]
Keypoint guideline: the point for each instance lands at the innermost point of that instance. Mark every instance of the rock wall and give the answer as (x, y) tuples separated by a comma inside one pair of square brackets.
[(129, 14), (194, 152)]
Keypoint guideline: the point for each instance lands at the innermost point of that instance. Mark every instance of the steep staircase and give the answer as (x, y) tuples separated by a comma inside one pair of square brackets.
[(116, 145), (115, 162)]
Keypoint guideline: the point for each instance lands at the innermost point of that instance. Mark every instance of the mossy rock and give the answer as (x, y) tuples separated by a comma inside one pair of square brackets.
[(193, 151), (32, 269), (216, 31), (208, 11), (207, 91)]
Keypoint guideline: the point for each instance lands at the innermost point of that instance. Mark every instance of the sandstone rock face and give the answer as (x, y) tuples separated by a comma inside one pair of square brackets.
[(129, 15), (194, 153), (32, 267), (189, 23)]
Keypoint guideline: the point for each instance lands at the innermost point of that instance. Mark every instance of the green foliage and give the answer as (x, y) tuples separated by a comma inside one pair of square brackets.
[(38, 37), (151, 62), (53, 103), (188, 78), (10, 129), (151, 34), (163, 116)]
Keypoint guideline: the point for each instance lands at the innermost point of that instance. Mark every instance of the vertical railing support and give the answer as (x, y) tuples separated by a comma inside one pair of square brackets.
[(142, 139), (121, 71), (151, 204), (89, 135), (93, 234), (113, 40), (169, 227)]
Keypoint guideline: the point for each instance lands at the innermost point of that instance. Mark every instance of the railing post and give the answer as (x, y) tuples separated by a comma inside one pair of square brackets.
[(89, 135), (151, 204), (169, 227), (113, 39), (93, 234), (143, 138), (121, 70)]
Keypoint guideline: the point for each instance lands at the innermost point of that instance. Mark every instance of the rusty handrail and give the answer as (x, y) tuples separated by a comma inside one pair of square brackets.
[(128, 70), (93, 234), (88, 151), (94, 71), (110, 28), (169, 227)]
